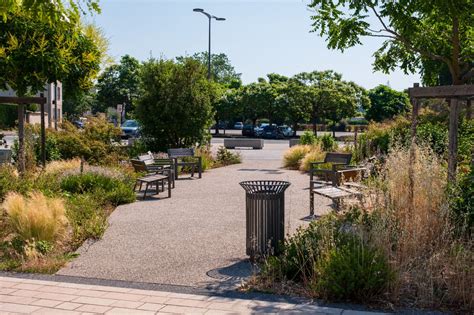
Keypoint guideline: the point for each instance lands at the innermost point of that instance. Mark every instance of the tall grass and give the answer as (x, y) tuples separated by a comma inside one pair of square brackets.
[(293, 156), (315, 155), (434, 267), (36, 217)]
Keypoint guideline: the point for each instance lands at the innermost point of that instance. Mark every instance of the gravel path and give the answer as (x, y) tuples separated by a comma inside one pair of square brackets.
[(196, 238)]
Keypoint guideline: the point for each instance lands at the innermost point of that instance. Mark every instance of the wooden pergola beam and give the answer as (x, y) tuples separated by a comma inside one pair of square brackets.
[(445, 91), (454, 93)]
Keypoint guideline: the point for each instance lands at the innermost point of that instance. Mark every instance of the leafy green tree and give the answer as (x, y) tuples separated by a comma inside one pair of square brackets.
[(259, 100), (296, 100), (414, 32), (385, 103), (118, 84), (78, 99), (49, 11), (34, 52), (174, 107), (222, 71)]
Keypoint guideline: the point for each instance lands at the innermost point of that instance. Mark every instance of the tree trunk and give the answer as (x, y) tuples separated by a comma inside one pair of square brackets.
[(334, 129), (21, 138)]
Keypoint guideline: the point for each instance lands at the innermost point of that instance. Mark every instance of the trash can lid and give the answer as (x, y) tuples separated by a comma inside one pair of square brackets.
[(265, 186)]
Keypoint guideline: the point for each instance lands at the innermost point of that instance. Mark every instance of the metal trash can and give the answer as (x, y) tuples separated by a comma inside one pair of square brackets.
[(265, 216)]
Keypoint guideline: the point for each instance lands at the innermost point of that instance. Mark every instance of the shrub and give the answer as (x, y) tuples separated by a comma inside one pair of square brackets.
[(206, 157), (293, 156), (315, 155), (95, 143), (87, 217), (36, 217), (8, 178), (352, 271), (226, 157), (328, 143), (332, 258), (308, 138), (112, 190)]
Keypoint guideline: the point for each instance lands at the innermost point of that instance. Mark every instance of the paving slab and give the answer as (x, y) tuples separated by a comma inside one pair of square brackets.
[(182, 304)]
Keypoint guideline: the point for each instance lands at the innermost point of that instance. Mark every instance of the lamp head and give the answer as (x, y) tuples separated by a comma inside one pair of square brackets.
[(219, 19), (198, 10)]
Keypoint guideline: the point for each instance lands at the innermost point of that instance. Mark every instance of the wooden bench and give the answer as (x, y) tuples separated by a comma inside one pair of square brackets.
[(178, 154), (152, 169), (335, 193), (337, 160), (243, 143), (154, 180), (154, 165)]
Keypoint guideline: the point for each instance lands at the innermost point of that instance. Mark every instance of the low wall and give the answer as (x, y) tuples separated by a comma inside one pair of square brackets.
[(294, 142), (243, 143)]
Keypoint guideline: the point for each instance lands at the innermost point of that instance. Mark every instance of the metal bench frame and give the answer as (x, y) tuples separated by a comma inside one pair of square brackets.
[(178, 154)]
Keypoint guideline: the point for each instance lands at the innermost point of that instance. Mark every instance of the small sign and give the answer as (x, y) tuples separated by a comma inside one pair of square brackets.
[(119, 108)]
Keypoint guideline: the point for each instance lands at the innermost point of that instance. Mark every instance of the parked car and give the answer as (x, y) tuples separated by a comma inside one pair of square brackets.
[(239, 125), (130, 129), (248, 131), (272, 132), (259, 129), (287, 131)]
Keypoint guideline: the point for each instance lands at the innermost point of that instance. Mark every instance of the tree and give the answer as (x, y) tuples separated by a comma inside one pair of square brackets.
[(414, 32), (259, 100), (174, 106), (296, 99), (118, 84), (77, 99), (385, 103), (317, 82), (53, 12), (222, 70), (34, 52)]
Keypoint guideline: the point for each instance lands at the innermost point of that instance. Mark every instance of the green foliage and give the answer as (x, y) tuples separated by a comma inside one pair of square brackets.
[(328, 143), (308, 138), (35, 52), (118, 84), (175, 104), (95, 143), (462, 203), (222, 70), (225, 157), (111, 190), (386, 103), (334, 258), (441, 33), (8, 116), (352, 271), (87, 217)]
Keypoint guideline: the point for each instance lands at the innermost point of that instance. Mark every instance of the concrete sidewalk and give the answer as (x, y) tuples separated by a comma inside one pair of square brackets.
[(28, 296)]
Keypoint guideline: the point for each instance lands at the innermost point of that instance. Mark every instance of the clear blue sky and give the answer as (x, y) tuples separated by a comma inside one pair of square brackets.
[(259, 36)]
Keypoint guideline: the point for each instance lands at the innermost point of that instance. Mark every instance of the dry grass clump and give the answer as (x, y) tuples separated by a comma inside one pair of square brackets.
[(36, 217), (62, 166), (316, 154), (434, 268), (293, 156)]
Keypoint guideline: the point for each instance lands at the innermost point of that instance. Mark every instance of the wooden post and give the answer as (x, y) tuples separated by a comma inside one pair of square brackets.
[(356, 129), (43, 134), (453, 139), (21, 139), (469, 109), (412, 157)]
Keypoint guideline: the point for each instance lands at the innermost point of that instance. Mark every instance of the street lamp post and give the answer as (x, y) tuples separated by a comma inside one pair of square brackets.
[(210, 17)]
